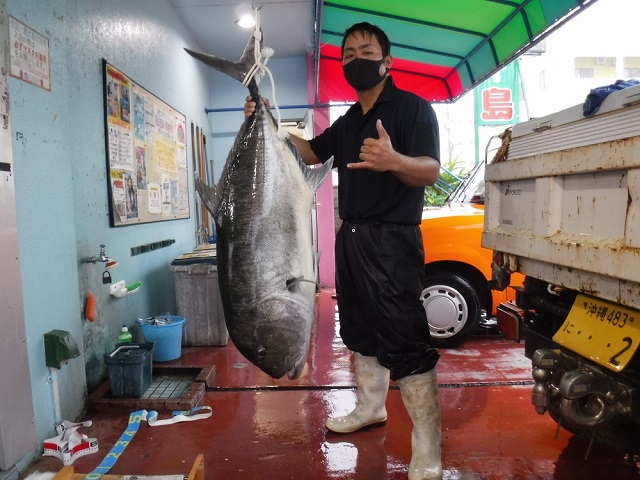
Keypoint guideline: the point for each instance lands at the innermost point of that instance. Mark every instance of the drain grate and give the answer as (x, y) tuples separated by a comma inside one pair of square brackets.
[(168, 386), (171, 388)]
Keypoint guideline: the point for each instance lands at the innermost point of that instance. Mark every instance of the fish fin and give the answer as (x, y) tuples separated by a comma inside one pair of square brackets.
[(237, 70), (209, 195), (315, 175)]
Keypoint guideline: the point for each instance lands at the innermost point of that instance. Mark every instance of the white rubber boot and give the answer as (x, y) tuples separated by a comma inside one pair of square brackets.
[(372, 382), (420, 397)]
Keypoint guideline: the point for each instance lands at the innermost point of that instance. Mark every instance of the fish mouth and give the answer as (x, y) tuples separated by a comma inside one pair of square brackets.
[(275, 335), (294, 369), (297, 368)]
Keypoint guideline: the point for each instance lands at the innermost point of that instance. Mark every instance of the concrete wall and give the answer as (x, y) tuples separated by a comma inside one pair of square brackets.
[(61, 183), (61, 177)]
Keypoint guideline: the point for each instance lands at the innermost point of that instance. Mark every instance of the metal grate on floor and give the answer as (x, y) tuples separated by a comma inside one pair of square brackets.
[(169, 386)]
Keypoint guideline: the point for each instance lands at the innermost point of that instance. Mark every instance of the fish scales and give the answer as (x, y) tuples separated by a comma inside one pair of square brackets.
[(266, 265), (264, 231)]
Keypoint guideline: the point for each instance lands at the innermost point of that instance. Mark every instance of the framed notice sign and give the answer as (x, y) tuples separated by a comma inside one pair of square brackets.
[(29, 54), (146, 148)]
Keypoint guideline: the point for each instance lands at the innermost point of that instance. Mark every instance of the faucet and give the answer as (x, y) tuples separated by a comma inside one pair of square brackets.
[(102, 258)]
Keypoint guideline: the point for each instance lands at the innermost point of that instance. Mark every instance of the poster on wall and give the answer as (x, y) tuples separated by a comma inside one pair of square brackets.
[(29, 54), (146, 154)]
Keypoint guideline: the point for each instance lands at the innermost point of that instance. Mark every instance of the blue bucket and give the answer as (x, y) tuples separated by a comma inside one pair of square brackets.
[(166, 332)]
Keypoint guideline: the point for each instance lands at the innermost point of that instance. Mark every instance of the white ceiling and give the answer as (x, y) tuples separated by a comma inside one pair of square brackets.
[(287, 25)]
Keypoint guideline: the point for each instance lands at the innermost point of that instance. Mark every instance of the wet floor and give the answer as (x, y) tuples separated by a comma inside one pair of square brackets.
[(263, 428)]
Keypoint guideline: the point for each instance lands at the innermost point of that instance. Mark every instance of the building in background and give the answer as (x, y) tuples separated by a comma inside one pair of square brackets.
[(596, 48)]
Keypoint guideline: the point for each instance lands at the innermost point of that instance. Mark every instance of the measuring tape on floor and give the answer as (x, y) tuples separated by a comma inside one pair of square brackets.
[(177, 416)]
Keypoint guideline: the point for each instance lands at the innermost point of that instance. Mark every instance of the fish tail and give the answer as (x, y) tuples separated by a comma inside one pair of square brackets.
[(238, 70)]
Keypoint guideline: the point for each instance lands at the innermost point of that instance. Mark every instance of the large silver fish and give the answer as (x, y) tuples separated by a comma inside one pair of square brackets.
[(262, 209)]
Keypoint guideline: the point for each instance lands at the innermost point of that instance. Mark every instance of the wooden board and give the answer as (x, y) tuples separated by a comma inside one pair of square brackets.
[(196, 473)]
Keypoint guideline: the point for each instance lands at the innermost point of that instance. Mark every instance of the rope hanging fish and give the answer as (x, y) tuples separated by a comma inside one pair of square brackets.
[(259, 69)]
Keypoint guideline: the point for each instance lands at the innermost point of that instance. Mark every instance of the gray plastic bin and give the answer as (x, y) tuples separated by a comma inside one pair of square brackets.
[(198, 301)]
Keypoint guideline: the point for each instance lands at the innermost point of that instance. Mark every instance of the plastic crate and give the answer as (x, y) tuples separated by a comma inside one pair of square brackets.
[(130, 369), (198, 301)]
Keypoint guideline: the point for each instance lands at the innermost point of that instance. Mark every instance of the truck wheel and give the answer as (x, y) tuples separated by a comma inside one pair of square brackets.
[(453, 309)]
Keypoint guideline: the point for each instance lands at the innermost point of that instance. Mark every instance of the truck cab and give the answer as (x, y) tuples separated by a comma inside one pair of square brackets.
[(457, 295)]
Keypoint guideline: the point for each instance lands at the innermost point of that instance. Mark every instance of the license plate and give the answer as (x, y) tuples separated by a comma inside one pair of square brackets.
[(605, 332)]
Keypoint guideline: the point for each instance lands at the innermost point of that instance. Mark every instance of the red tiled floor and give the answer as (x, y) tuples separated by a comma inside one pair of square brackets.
[(263, 428)]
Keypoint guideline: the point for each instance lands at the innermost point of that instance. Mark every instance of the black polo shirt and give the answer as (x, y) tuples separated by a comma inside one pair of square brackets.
[(365, 195)]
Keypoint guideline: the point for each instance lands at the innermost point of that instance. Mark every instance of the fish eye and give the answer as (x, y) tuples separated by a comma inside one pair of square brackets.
[(261, 352)]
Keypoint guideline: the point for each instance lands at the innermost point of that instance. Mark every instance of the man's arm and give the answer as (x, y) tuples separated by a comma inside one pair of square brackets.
[(378, 155), (307, 155), (413, 171)]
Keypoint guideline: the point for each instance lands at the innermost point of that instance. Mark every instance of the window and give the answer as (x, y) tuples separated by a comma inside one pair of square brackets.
[(584, 73), (542, 80), (595, 67), (631, 67)]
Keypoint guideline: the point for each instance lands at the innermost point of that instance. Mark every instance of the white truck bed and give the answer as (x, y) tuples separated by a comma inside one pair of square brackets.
[(566, 201)]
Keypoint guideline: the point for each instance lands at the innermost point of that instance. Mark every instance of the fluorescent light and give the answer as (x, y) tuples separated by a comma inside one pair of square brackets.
[(246, 21)]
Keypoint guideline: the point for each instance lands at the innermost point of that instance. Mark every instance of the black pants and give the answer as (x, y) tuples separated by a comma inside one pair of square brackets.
[(379, 278)]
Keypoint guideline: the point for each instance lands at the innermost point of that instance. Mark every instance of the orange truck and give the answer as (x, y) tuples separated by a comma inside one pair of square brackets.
[(457, 295)]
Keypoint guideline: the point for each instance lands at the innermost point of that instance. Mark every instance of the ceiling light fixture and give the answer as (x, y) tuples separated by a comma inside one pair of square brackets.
[(246, 21)]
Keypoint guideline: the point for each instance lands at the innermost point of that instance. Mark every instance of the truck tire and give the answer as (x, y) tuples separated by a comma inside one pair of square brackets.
[(453, 309)]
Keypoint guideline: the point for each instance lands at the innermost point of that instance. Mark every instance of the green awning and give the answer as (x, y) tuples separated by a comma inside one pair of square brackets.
[(441, 48)]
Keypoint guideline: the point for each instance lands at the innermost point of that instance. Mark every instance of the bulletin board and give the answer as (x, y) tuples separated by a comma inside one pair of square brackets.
[(146, 147)]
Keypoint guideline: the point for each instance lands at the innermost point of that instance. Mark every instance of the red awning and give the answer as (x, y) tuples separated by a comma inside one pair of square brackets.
[(432, 82), (441, 49)]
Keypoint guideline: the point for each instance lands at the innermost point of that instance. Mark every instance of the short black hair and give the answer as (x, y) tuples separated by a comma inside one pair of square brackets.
[(365, 27)]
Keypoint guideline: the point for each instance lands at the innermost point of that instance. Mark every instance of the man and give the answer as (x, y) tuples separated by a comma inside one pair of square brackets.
[(386, 150)]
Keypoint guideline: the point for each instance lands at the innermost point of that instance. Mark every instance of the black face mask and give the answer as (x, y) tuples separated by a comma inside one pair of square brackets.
[(362, 74)]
